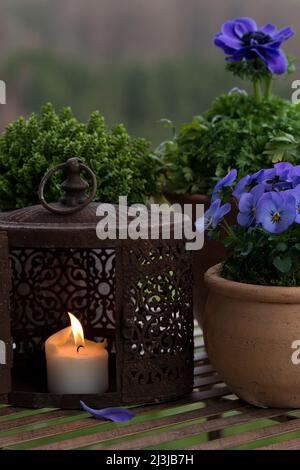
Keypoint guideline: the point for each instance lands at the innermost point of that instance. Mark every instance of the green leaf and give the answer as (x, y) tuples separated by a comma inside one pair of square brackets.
[(291, 64), (249, 69), (283, 264), (282, 246), (277, 157), (188, 174), (248, 249)]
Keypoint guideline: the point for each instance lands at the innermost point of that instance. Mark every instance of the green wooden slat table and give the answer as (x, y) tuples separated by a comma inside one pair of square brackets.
[(209, 418)]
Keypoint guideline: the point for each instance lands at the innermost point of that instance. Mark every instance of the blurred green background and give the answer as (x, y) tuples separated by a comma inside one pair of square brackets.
[(135, 60)]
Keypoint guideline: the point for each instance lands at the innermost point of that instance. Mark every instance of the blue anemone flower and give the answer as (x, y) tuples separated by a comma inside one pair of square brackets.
[(242, 39), (276, 212), (213, 215)]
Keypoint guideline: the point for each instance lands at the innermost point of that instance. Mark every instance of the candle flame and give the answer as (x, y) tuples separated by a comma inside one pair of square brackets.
[(77, 330)]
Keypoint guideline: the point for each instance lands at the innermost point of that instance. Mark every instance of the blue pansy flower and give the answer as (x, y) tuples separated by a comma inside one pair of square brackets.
[(296, 194), (276, 212), (242, 39), (241, 186), (279, 177), (294, 175), (228, 180), (265, 175), (213, 216), (248, 204), (283, 170), (284, 175)]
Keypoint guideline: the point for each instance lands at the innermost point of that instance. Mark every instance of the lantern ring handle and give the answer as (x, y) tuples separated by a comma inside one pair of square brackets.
[(68, 210)]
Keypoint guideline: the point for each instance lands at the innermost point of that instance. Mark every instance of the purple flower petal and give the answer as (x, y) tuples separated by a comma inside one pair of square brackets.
[(228, 180), (225, 209), (283, 34), (228, 30), (259, 175), (244, 219), (275, 59), (240, 30), (283, 169), (296, 193), (111, 414), (268, 29), (241, 186), (257, 192), (246, 202), (213, 216), (295, 175), (265, 175), (248, 24), (226, 44), (207, 221), (241, 53), (276, 199)]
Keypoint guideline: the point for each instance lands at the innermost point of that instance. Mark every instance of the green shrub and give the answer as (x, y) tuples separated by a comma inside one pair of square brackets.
[(28, 148), (236, 132)]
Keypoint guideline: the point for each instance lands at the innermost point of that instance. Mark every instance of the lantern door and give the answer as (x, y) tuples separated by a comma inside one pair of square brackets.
[(5, 333)]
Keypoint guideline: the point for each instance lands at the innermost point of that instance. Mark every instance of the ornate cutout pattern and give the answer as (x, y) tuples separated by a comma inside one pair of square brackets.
[(158, 317), (154, 287), (49, 282)]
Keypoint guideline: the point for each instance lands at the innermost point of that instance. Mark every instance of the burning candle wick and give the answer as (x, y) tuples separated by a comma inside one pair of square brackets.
[(80, 346)]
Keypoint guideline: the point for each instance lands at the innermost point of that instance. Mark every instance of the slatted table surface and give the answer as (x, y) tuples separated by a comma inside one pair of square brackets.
[(210, 418)]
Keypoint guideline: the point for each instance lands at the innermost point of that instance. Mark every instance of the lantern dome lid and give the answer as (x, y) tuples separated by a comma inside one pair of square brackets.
[(37, 215), (72, 221)]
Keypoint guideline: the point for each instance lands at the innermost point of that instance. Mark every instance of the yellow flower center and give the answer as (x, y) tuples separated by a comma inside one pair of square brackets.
[(276, 217)]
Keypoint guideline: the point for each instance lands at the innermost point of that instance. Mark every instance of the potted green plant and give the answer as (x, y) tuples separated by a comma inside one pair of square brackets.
[(251, 321), (124, 165), (240, 130)]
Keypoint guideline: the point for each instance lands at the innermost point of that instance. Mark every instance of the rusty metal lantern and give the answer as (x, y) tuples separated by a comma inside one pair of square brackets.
[(135, 293)]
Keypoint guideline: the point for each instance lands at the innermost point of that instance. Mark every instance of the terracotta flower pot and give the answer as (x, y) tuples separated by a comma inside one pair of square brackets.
[(249, 331), (213, 252)]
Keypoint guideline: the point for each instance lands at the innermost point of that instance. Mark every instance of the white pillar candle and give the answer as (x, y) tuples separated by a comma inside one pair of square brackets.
[(76, 365)]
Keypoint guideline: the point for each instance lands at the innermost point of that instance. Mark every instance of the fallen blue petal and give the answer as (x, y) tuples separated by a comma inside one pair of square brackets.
[(111, 414)]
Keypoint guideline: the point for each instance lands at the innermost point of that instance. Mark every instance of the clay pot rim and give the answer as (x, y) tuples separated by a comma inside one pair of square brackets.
[(197, 197), (250, 292)]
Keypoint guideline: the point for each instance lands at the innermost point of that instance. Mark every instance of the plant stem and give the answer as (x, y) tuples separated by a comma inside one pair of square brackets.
[(257, 91), (228, 229), (261, 239), (268, 87)]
